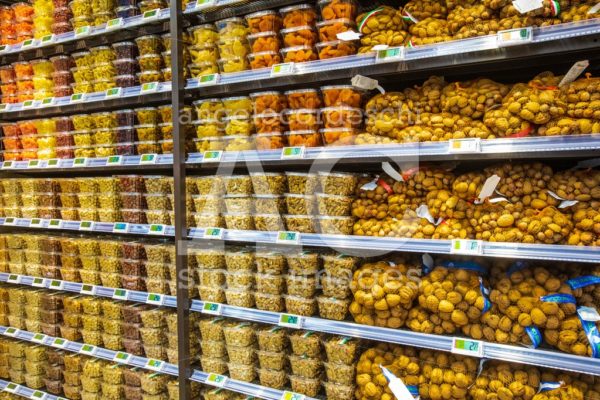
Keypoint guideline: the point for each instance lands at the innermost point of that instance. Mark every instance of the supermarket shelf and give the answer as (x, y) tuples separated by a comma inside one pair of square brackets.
[(363, 245), (76, 347), (548, 147), (213, 10), (132, 27), (89, 226), (80, 288), (26, 392), (246, 388), (522, 355), (552, 40), (91, 102)]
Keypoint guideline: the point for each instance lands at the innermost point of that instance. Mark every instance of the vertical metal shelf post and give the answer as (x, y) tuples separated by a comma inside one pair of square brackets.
[(177, 102)]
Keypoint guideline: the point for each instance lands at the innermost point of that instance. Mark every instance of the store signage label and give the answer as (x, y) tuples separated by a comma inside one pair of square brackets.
[(467, 347), (48, 101), (290, 321), (39, 338), (156, 299), (83, 31), (150, 87), (77, 98), (121, 294), (27, 44), (155, 365), (60, 343), (86, 226), (38, 282), (212, 308), (292, 396), (114, 24), (37, 395), (216, 380), (282, 69), (88, 289), (390, 54), (52, 163), (55, 224), (14, 279), (121, 357), (460, 146), (121, 227), (156, 229), (9, 221), (88, 350), (33, 164), (212, 156), (56, 285), (148, 159), (512, 37), (213, 233), (204, 4), (27, 104), (8, 165), (12, 388), (114, 160), (12, 332), (113, 92), (284, 237), (292, 153), (48, 39), (468, 247), (151, 14)]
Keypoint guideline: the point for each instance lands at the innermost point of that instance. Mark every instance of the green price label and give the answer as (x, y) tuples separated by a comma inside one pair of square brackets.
[(151, 14), (27, 43), (79, 161), (11, 387), (56, 284), (9, 221), (36, 221), (3, 48), (33, 164), (292, 396), (288, 237), (76, 97), (48, 39), (38, 395), (157, 228), (85, 224), (282, 69), (14, 278), (120, 294), (82, 31), (292, 152), (38, 282), (54, 222), (59, 342), (122, 357), (28, 103), (216, 380), (290, 321), (149, 87), (7, 164), (53, 162), (212, 308), (11, 331), (88, 349), (47, 101), (114, 23), (154, 298)]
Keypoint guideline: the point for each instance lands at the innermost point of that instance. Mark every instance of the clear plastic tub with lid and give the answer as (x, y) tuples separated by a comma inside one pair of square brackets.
[(232, 64), (264, 21), (298, 15), (201, 34), (149, 44), (299, 54)]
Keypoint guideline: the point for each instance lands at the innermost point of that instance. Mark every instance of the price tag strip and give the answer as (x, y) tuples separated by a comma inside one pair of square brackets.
[(284, 237), (468, 247), (60, 343), (213, 233), (216, 380), (39, 338), (121, 294), (212, 308), (88, 350), (122, 358), (291, 321), (293, 153), (467, 347)]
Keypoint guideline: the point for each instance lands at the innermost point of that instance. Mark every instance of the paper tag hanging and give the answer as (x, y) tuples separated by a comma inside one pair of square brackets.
[(525, 6), (391, 171), (488, 188), (348, 36), (366, 83), (423, 212), (396, 385), (564, 203), (574, 72)]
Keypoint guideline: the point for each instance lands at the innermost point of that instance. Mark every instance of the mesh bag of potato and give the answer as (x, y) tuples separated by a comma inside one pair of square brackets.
[(382, 294), (472, 99), (499, 380), (463, 16), (562, 386), (569, 126), (581, 185), (388, 113), (382, 26), (446, 376), (429, 31), (549, 9), (582, 98), (579, 12), (415, 10), (519, 180), (427, 97), (586, 230), (450, 299), (503, 123), (495, 222)]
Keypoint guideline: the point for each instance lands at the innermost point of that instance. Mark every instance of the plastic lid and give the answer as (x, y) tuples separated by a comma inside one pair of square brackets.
[(260, 14), (261, 34), (344, 21), (121, 44), (267, 115), (301, 111), (201, 101), (306, 132), (333, 43), (267, 93), (234, 98), (296, 7), (202, 27), (296, 29), (261, 53), (323, 2), (337, 108), (298, 48)]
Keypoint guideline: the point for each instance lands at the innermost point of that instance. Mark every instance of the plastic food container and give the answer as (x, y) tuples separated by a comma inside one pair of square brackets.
[(264, 21), (329, 29), (269, 302), (299, 15), (299, 36), (206, 33), (299, 54)]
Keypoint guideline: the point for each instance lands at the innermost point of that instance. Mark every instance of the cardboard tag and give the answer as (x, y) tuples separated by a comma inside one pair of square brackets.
[(525, 6), (576, 70), (489, 187)]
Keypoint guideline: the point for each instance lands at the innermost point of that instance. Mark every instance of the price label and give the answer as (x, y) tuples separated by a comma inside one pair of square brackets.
[(55, 224), (467, 347), (8, 165), (155, 298), (212, 308), (156, 229), (114, 24), (86, 226), (37, 395), (56, 285), (513, 37), (204, 4), (14, 279), (48, 39), (33, 164), (36, 222), (80, 162), (114, 160), (121, 227), (458, 146), (212, 156), (292, 396), (121, 357), (208, 80), (83, 31), (27, 104), (52, 163), (88, 289), (292, 153), (148, 159), (12, 388), (113, 92), (284, 237), (5, 48), (151, 14), (46, 102), (390, 54), (88, 350), (60, 343), (469, 247), (213, 233), (282, 69), (27, 44), (77, 98), (12, 332), (121, 294), (216, 380), (39, 282), (290, 321), (155, 365), (39, 338), (9, 221), (150, 87)]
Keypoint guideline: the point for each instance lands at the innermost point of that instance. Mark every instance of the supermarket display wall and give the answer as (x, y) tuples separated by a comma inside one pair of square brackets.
[(227, 207)]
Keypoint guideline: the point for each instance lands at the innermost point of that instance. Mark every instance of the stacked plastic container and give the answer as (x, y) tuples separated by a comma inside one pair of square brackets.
[(24, 75), (203, 50), (54, 369), (103, 69), (33, 312), (272, 356), (233, 44), (62, 77), (8, 33), (16, 362), (214, 351), (35, 360), (23, 21), (4, 366), (62, 15), (125, 63), (150, 59), (43, 18), (8, 87), (72, 321), (264, 38), (131, 334)]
